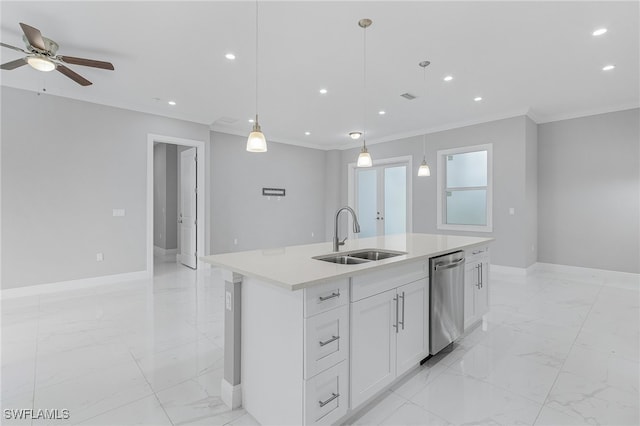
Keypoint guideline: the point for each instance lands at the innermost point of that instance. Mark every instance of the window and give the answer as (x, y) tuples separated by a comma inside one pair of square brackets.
[(465, 188)]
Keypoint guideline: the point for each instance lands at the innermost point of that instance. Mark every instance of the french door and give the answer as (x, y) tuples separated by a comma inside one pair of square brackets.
[(381, 198)]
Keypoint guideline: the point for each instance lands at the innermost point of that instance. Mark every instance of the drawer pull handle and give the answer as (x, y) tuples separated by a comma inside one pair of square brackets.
[(333, 339), (331, 296), (331, 398)]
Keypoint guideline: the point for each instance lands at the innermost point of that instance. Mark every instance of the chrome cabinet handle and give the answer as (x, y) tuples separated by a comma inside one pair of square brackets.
[(325, 298), (478, 276), (481, 277), (333, 339), (331, 398), (396, 299), (402, 322)]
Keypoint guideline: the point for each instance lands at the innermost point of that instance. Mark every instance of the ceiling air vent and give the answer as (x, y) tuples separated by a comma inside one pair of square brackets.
[(408, 96)]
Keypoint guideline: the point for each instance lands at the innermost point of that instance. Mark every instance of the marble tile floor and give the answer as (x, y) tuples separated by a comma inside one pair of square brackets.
[(556, 349)]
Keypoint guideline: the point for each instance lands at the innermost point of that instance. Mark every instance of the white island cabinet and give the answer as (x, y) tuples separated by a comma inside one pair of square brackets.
[(476, 284), (311, 342)]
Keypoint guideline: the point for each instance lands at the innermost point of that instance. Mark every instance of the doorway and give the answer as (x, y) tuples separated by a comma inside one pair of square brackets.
[(381, 196), (175, 201)]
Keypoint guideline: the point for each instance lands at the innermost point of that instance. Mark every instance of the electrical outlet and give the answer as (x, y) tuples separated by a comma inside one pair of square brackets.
[(313, 234), (235, 241), (99, 257), (512, 211)]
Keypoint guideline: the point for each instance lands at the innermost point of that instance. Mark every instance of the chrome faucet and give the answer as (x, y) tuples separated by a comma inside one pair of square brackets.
[(356, 227)]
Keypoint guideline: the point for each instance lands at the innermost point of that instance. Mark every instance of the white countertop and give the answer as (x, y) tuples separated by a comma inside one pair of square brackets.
[(294, 267)]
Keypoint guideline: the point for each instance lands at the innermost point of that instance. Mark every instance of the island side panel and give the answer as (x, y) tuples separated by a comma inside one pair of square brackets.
[(272, 353), (231, 386)]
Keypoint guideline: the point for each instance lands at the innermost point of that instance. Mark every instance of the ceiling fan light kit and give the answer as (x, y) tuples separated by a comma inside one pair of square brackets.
[(42, 55), (41, 63)]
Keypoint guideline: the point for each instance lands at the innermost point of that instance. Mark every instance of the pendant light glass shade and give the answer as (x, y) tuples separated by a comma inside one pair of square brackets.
[(364, 159), (256, 141), (424, 170)]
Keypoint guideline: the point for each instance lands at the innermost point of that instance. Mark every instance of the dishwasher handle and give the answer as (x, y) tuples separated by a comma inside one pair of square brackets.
[(443, 266)]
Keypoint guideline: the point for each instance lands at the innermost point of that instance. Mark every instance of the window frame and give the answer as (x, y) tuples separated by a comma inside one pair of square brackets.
[(442, 189)]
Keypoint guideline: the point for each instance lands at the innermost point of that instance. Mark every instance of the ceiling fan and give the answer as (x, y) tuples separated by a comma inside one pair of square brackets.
[(42, 55)]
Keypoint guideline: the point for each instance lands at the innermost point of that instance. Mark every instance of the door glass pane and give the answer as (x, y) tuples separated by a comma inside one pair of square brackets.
[(395, 200), (467, 170), (367, 201), (467, 207)]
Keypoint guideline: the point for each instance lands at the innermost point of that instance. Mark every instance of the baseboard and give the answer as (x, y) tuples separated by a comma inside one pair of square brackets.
[(162, 252), (230, 394), (35, 290), (600, 273), (509, 270)]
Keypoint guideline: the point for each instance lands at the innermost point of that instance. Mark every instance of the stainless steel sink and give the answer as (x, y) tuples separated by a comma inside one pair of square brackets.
[(359, 256), (341, 259), (374, 254)]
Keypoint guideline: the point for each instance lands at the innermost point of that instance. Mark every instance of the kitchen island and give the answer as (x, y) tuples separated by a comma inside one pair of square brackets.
[(309, 341)]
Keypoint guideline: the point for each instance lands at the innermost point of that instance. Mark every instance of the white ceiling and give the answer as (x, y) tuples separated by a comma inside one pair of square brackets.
[(521, 57)]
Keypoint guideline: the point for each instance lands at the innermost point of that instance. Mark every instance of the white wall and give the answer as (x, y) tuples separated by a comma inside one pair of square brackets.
[(589, 191), (239, 211), (65, 165)]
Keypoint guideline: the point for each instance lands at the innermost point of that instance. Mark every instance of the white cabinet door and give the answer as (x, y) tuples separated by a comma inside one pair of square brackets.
[(471, 279), (412, 339), (373, 345)]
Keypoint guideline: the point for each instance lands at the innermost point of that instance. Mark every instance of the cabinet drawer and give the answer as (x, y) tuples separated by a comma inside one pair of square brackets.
[(323, 297), (380, 281), (326, 396), (475, 253), (326, 340)]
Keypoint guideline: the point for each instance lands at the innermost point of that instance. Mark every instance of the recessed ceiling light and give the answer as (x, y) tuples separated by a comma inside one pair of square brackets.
[(599, 31), (355, 135), (448, 78), (323, 91), (230, 56), (307, 133), (477, 98), (251, 120), (172, 103), (608, 67), (382, 112)]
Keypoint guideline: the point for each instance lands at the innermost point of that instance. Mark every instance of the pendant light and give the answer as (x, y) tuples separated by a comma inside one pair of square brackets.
[(424, 170), (364, 159), (256, 141)]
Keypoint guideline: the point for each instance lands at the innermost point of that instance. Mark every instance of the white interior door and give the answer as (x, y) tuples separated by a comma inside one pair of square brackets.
[(187, 217), (381, 200)]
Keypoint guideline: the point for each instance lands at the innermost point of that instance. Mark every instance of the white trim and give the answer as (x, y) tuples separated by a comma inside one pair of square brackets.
[(34, 290), (599, 273), (159, 251), (441, 181), (405, 159), (570, 116), (231, 395), (200, 196), (511, 270)]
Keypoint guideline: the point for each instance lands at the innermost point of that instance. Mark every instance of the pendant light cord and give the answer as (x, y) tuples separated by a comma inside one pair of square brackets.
[(256, 61), (364, 95)]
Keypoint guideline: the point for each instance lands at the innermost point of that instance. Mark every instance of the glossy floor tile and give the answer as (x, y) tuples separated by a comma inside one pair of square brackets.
[(556, 349)]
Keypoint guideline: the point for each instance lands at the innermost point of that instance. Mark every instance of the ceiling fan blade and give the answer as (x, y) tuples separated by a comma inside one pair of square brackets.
[(13, 47), (34, 36), (86, 62), (73, 76), (13, 64)]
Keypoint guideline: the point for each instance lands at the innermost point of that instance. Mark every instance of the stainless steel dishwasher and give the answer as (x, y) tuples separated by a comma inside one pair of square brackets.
[(446, 311)]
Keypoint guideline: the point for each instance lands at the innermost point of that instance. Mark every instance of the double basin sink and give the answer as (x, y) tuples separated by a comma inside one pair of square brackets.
[(359, 256)]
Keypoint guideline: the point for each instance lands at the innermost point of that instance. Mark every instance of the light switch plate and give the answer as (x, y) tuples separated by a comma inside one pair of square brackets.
[(512, 211), (118, 212), (227, 300)]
